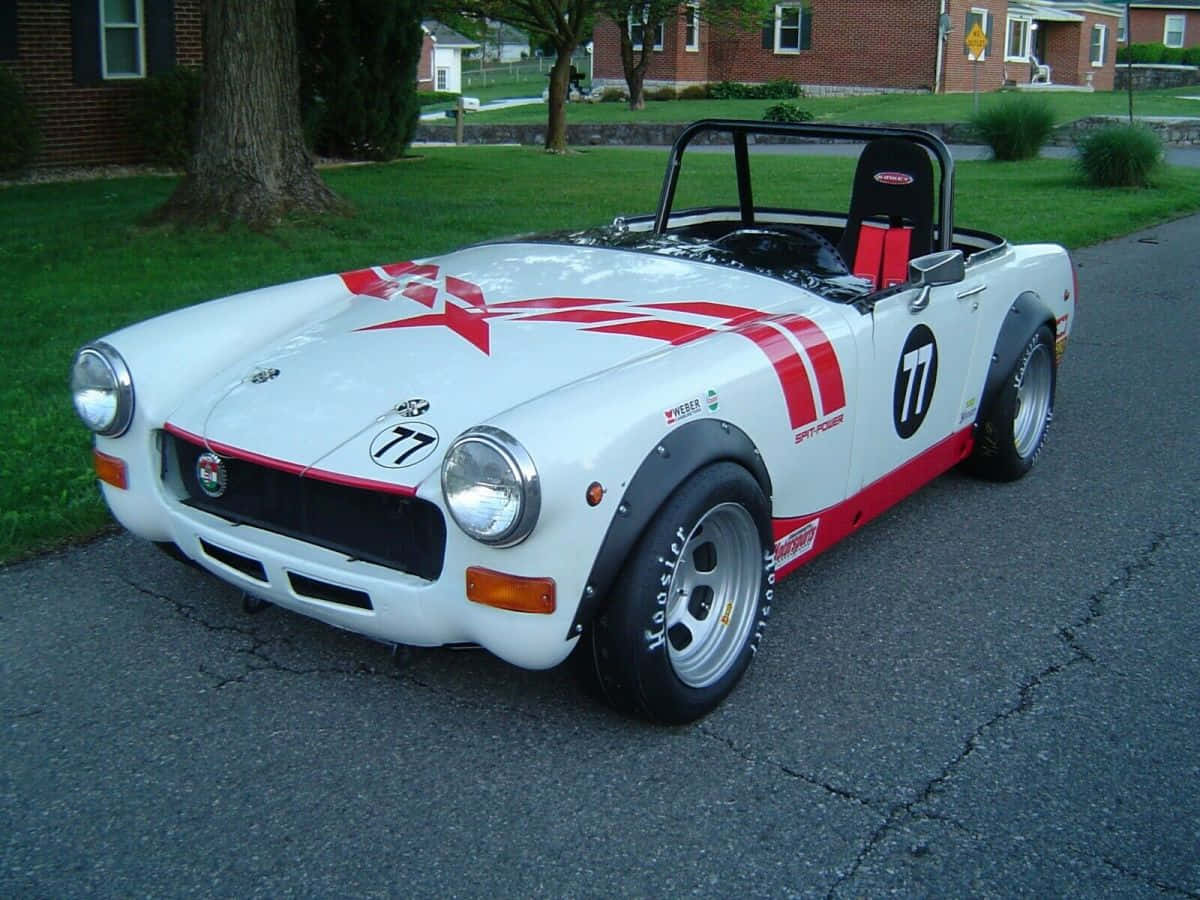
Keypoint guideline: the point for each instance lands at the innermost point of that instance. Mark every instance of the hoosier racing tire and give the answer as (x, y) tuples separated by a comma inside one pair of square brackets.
[(689, 608)]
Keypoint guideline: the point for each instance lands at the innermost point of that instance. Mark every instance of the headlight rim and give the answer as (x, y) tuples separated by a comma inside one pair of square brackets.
[(111, 358), (520, 462)]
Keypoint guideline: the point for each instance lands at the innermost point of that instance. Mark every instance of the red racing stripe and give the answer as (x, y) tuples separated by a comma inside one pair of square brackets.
[(789, 368), (824, 361), (657, 329)]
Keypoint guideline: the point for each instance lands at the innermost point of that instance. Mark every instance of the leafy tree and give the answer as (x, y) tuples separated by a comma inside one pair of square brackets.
[(562, 23), (648, 16), (250, 163), (358, 64)]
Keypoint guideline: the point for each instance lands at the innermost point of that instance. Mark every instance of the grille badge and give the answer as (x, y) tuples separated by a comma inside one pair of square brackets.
[(212, 474)]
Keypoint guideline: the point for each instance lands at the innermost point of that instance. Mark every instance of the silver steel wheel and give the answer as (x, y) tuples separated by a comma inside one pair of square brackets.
[(1033, 401), (713, 595)]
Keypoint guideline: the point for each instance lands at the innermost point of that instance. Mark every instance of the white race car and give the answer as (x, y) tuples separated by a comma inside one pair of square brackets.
[(611, 442)]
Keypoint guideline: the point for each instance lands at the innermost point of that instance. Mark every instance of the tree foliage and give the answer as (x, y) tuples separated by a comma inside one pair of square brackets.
[(358, 64), (562, 23), (721, 16)]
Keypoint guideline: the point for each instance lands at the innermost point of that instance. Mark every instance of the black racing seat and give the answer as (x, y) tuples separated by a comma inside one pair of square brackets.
[(891, 211)]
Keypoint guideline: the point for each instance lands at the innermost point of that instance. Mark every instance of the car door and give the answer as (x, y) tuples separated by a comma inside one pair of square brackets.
[(923, 340)]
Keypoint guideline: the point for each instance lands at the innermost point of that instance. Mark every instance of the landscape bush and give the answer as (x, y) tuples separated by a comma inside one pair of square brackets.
[(1141, 53), (662, 93), (787, 112), (20, 137), (694, 92), (1119, 156), (164, 114), (429, 98), (1016, 127), (780, 89), (358, 66), (613, 95)]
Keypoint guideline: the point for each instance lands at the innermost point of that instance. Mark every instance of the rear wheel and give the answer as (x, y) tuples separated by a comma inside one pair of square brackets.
[(1012, 433), (688, 609)]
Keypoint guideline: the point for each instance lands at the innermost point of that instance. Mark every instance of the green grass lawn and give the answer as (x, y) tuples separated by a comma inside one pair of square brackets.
[(77, 264), (1067, 107)]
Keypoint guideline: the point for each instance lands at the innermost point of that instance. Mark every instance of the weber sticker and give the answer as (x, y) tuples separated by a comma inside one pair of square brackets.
[(690, 408), (792, 546)]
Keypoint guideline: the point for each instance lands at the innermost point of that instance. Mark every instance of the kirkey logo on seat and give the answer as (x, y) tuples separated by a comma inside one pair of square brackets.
[(896, 178)]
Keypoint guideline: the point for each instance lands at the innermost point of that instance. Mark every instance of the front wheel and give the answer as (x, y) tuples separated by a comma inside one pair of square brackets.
[(1012, 433), (689, 608)]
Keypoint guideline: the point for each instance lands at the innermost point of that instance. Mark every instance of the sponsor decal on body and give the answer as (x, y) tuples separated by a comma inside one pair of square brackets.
[(792, 546), (801, 354), (692, 407)]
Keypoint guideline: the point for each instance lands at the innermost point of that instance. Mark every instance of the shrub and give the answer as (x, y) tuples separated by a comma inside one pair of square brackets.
[(782, 89), (165, 112), (1119, 156), (787, 112), (613, 95), (694, 92), (358, 75), (20, 138), (1141, 53), (1173, 55), (1191, 56), (662, 93), (1016, 127)]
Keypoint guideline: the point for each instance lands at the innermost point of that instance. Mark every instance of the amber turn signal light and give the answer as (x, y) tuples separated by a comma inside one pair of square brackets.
[(511, 592), (110, 470)]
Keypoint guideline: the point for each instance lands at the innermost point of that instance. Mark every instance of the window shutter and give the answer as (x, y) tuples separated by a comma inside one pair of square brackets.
[(85, 42), (160, 36), (806, 15), (8, 29), (991, 24), (768, 37)]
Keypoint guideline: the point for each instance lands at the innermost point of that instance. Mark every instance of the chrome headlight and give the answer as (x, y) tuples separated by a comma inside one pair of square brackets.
[(102, 389), (491, 486)]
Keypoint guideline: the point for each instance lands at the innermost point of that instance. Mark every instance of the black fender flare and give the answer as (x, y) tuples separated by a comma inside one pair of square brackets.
[(1028, 313), (680, 453)]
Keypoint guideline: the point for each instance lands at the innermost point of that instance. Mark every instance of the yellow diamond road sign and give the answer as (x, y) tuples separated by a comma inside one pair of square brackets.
[(976, 41)]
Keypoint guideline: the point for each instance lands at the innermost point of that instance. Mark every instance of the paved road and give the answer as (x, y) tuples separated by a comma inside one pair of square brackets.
[(991, 691)]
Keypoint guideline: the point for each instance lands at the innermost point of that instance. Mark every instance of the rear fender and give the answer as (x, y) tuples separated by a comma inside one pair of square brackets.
[(682, 452)]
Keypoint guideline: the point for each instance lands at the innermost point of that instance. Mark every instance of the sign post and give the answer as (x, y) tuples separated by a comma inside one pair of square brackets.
[(976, 42)]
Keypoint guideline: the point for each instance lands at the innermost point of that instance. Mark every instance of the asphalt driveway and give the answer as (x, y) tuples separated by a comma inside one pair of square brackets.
[(991, 691)]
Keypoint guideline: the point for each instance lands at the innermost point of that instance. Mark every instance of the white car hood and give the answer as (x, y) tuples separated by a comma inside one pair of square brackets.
[(470, 335)]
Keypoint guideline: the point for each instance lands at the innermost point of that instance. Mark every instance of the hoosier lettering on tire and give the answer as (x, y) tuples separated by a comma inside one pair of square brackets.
[(690, 606)]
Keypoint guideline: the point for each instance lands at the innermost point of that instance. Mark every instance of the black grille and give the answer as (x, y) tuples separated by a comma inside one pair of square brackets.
[(391, 530)]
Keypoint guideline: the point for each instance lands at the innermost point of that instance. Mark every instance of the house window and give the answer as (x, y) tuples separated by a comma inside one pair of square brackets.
[(122, 39), (692, 33), (1016, 40), (635, 34), (789, 21), (1099, 39), (980, 17), (1173, 28), (443, 76), (1122, 28)]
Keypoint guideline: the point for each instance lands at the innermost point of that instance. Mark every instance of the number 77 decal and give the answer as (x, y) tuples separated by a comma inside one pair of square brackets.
[(916, 377)]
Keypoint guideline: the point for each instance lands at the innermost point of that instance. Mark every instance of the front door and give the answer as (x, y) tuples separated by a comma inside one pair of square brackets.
[(914, 397)]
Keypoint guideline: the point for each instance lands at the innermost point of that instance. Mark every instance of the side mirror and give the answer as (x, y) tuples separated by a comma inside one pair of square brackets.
[(935, 269)]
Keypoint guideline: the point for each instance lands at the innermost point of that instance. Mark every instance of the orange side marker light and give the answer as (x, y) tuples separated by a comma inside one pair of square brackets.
[(511, 592), (110, 470)]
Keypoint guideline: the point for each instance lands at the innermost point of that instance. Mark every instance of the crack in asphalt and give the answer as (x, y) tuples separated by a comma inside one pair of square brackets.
[(1149, 880), (1067, 634), (910, 811)]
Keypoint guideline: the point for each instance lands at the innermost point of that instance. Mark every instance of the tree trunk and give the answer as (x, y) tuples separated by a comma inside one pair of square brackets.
[(635, 72), (250, 163), (556, 127)]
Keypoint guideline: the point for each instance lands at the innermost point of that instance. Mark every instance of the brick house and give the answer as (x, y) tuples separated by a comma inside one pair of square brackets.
[(1164, 22), (907, 45), (80, 62)]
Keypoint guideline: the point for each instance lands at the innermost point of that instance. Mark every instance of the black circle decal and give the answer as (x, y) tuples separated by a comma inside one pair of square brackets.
[(398, 446), (915, 377)]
